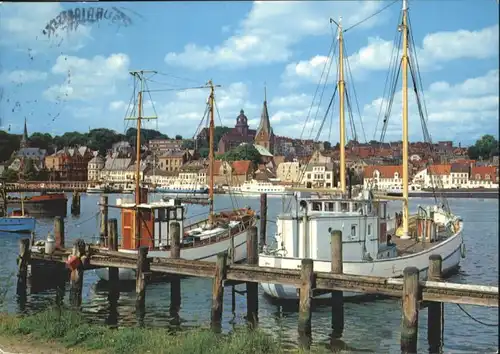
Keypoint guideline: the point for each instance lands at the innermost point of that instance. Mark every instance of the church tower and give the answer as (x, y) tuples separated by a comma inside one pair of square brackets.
[(264, 136), (24, 139), (242, 123)]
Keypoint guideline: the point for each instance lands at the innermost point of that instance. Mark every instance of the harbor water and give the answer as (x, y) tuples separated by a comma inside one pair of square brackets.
[(369, 326)]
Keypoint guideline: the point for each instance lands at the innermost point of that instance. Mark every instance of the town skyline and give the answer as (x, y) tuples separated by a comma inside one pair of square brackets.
[(66, 80)]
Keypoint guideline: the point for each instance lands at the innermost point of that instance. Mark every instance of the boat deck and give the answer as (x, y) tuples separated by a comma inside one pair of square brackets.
[(414, 246)]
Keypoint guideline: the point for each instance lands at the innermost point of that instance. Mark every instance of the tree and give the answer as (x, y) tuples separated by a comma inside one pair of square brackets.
[(204, 153), (178, 137), (484, 148), (42, 141), (327, 145), (8, 144), (29, 172), (242, 152), (10, 175), (188, 144)]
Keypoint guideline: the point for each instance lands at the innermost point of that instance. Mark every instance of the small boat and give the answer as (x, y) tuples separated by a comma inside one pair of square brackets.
[(182, 188), (17, 221)]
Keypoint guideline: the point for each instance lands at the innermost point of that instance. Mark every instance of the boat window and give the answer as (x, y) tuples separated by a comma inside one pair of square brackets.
[(369, 229), (353, 230)]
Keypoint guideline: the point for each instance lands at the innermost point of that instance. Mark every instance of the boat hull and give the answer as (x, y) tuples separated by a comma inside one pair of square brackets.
[(204, 253), (450, 250), (181, 191), (49, 205), (17, 224)]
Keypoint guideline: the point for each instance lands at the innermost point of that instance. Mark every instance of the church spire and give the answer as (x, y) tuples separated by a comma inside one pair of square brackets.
[(24, 139), (264, 134)]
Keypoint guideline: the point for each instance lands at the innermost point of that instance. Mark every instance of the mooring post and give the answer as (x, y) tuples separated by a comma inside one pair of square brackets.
[(141, 272), (409, 323), (59, 232), (218, 291), (175, 283), (113, 273), (305, 293), (103, 208), (22, 268), (252, 287), (76, 265), (263, 220), (337, 296), (435, 320)]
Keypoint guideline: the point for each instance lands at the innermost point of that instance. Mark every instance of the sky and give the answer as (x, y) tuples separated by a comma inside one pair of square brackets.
[(75, 79)]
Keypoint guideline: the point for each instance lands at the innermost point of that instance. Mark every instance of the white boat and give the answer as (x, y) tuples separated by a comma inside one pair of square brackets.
[(373, 244), (96, 189), (183, 188), (367, 249), (256, 188), (202, 240)]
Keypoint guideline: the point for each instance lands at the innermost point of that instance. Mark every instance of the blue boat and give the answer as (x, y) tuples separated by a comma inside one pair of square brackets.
[(177, 190), (17, 224)]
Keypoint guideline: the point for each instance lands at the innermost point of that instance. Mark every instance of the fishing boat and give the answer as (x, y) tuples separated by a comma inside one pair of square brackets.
[(148, 224), (374, 244), (17, 221)]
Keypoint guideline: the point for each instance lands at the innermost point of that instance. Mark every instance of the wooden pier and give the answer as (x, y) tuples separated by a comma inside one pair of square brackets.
[(415, 294)]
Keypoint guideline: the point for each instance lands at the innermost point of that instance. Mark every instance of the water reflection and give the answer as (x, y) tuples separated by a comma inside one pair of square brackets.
[(369, 326)]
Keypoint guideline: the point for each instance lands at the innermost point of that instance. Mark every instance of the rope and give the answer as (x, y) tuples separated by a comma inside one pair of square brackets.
[(84, 221), (372, 15), (475, 319)]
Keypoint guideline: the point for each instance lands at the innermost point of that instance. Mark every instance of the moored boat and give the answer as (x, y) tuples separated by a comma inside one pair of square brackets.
[(45, 204), (372, 243), (16, 222), (149, 224)]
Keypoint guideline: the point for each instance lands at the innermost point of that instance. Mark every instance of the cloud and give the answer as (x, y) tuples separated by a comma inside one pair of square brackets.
[(269, 32), (436, 48), (23, 76), (88, 78), (465, 109), (22, 26)]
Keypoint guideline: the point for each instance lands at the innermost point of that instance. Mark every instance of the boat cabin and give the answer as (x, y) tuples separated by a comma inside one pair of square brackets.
[(305, 233), (155, 219)]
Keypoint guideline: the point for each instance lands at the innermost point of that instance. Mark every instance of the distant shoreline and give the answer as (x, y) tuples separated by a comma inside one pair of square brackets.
[(455, 193)]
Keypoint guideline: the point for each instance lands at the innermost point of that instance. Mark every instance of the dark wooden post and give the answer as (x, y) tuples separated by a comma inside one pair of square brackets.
[(435, 309), (76, 276), (337, 296), (142, 271), (59, 231), (252, 287), (306, 287), (113, 273), (22, 268), (263, 220), (409, 323), (103, 207), (175, 283), (218, 291)]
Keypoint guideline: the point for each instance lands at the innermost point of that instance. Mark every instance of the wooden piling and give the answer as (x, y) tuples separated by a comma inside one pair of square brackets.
[(409, 323), (113, 272), (435, 309), (252, 287), (218, 291), (103, 207), (337, 300), (141, 273), (76, 276), (22, 267), (175, 283), (59, 231), (263, 220), (75, 203), (305, 293)]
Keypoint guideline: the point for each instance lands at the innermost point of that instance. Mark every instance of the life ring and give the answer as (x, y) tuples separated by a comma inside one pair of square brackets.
[(462, 250)]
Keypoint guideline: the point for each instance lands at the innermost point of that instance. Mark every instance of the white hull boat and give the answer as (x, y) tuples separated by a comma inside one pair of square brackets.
[(256, 188), (367, 249)]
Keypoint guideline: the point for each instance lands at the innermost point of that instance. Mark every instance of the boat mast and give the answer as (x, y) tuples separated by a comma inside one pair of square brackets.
[(341, 87), (404, 63), (211, 152), (342, 108), (140, 76)]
